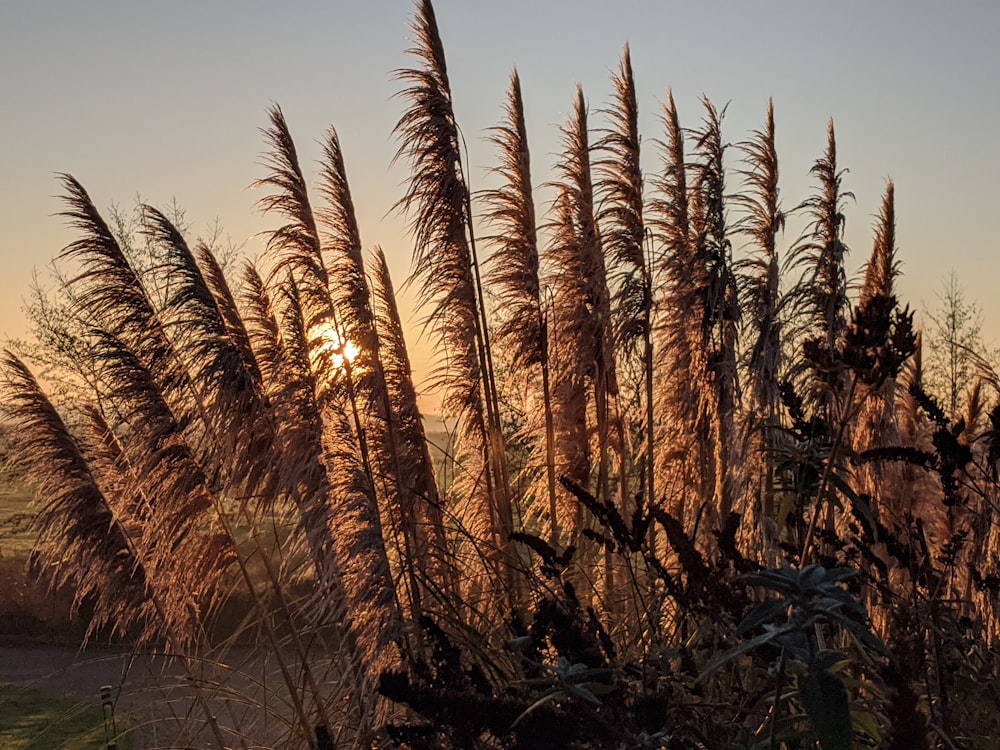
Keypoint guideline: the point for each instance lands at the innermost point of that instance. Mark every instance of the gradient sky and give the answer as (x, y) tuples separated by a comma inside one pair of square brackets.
[(164, 101)]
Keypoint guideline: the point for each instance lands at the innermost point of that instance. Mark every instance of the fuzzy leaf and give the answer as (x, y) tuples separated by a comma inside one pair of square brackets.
[(811, 576)]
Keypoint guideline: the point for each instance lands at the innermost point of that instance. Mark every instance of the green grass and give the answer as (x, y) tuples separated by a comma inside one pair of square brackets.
[(34, 720)]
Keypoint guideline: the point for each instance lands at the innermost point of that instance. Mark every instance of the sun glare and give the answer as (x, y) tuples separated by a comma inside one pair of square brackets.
[(330, 347)]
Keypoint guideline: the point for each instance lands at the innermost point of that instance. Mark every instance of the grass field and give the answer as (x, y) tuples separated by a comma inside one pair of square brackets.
[(29, 608), (32, 719), (439, 442), (16, 536)]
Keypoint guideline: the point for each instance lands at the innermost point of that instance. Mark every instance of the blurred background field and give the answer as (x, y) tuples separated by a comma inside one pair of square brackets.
[(36, 719), (15, 519), (30, 610)]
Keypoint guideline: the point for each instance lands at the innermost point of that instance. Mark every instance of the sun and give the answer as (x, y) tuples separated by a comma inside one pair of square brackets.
[(327, 345)]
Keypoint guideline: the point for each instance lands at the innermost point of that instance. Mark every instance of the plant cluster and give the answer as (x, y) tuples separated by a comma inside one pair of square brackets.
[(701, 498)]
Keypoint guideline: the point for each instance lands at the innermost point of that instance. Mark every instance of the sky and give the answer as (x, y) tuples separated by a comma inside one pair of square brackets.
[(164, 102)]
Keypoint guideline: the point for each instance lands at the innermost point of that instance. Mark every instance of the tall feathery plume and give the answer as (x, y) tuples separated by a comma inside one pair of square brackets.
[(194, 316), (297, 248), (311, 315), (763, 220), (76, 519), (342, 250), (263, 331), (226, 303), (590, 327), (358, 541), (399, 500), (513, 272), (178, 527), (409, 428), (883, 267), (295, 245), (222, 371), (623, 233), (348, 295), (821, 296), (258, 432), (571, 366), (677, 382), (445, 262), (189, 531), (762, 303), (582, 315), (719, 309), (822, 290), (301, 471), (111, 296), (95, 552), (877, 422)]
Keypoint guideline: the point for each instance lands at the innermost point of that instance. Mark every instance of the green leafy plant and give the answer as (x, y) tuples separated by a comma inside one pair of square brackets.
[(809, 601)]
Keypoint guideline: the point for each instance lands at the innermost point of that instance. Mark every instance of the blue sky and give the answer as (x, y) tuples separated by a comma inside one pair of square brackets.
[(165, 101)]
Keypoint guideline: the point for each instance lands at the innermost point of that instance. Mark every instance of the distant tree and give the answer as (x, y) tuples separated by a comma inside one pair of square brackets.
[(953, 345), (59, 336)]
